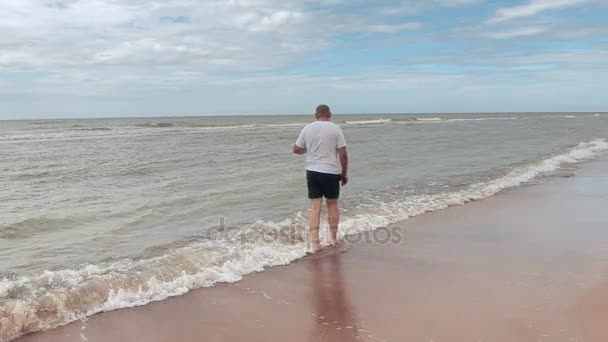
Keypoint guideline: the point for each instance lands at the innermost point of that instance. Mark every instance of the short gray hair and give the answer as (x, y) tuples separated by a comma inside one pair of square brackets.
[(323, 110)]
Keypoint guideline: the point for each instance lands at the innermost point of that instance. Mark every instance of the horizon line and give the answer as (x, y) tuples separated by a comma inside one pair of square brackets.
[(311, 114)]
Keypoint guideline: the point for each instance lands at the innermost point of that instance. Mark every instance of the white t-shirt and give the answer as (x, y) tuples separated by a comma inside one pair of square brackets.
[(322, 139)]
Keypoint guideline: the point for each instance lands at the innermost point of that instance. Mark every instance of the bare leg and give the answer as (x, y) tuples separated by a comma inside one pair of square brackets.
[(333, 211), (314, 221)]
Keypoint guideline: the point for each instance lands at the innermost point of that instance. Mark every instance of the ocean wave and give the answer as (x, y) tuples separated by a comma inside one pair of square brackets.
[(155, 129), (428, 119), (50, 122), (229, 127), (33, 226), (158, 125), (367, 122), (198, 127), (247, 127), (482, 119), (74, 133), (403, 120), (283, 125), (93, 129), (53, 298)]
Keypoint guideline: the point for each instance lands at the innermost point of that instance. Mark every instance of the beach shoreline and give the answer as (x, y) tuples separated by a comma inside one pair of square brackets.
[(528, 264)]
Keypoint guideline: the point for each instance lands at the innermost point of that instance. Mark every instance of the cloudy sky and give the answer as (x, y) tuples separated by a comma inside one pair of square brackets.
[(89, 58)]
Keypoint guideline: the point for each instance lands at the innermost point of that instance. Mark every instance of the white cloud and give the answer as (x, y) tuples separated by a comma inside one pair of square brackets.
[(393, 28), (456, 2), (515, 33), (72, 36), (211, 49), (585, 59), (414, 7), (259, 22), (201, 35), (530, 9)]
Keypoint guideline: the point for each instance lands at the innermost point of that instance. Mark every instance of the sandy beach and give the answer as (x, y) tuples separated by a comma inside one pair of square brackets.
[(526, 265)]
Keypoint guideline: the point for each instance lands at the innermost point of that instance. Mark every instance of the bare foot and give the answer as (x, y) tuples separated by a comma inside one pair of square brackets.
[(315, 247), (334, 242)]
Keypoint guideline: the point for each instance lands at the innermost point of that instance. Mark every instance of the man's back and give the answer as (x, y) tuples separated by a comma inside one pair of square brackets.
[(322, 139)]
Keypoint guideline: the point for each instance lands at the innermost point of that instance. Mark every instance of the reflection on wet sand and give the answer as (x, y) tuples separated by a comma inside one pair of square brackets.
[(333, 317)]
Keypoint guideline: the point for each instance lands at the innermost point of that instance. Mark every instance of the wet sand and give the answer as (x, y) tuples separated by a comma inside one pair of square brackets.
[(530, 264)]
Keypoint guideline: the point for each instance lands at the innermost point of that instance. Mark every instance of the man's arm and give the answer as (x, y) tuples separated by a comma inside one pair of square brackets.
[(344, 162), (298, 150), (300, 146)]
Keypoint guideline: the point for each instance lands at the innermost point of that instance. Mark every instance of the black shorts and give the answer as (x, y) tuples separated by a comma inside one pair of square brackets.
[(323, 185)]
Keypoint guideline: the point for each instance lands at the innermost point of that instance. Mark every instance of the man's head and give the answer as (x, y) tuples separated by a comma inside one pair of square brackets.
[(323, 112)]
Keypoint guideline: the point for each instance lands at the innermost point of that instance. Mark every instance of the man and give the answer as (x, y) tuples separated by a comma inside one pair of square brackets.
[(326, 165)]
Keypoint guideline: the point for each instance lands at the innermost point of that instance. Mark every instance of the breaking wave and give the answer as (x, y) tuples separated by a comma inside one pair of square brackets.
[(367, 122), (428, 119), (157, 125)]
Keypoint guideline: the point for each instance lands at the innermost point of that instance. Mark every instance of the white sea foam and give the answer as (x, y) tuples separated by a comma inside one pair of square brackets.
[(59, 297), (428, 119), (158, 125), (367, 122)]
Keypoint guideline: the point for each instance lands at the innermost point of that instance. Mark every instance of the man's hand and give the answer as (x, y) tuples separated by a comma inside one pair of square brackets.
[(298, 150), (344, 180), (344, 162)]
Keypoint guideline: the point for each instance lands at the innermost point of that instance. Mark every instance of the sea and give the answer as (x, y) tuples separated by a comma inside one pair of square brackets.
[(103, 214)]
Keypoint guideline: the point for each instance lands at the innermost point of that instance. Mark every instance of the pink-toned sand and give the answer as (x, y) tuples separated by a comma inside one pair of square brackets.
[(527, 265)]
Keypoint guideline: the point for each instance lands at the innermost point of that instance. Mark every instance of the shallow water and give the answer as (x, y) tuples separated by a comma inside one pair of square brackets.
[(97, 215)]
